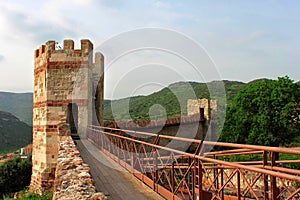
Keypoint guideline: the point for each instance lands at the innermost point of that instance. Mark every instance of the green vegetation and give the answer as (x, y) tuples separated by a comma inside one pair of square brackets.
[(14, 133), (173, 98), (32, 196), (266, 112), (24, 195), (19, 104), (14, 176)]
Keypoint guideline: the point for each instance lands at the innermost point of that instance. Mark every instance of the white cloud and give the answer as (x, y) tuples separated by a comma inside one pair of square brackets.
[(240, 42), (162, 4)]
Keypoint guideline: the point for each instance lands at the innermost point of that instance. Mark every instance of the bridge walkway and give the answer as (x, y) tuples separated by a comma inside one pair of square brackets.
[(114, 181)]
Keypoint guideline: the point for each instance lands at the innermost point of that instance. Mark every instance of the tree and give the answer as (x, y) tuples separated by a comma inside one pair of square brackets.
[(265, 113), (14, 175)]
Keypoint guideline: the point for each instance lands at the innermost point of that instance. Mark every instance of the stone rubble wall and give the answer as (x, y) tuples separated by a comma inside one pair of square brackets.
[(72, 176)]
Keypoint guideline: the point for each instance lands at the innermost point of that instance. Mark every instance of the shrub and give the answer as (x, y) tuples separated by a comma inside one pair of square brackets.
[(14, 175)]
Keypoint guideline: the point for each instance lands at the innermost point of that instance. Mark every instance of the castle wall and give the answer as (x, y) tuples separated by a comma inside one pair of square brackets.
[(61, 77)]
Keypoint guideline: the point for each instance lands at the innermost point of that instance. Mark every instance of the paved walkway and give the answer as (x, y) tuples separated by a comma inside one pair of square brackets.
[(110, 178)]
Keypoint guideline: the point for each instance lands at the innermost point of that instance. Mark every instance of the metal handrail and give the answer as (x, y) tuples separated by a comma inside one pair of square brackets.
[(223, 144), (179, 174), (225, 163)]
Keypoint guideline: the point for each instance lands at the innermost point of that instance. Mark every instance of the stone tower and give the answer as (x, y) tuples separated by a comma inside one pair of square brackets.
[(63, 101), (205, 107)]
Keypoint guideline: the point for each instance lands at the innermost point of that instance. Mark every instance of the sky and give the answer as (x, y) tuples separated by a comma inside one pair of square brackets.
[(245, 39)]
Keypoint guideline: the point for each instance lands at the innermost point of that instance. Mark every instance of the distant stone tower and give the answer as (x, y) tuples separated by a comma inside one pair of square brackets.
[(63, 101), (206, 108)]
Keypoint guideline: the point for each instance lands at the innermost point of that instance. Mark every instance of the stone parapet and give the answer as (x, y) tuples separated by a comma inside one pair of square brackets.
[(145, 123), (72, 176)]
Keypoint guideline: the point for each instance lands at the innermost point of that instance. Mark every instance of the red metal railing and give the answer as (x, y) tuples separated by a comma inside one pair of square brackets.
[(176, 174)]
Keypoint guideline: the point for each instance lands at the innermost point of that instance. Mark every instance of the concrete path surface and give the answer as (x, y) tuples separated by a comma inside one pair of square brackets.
[(110, 178)]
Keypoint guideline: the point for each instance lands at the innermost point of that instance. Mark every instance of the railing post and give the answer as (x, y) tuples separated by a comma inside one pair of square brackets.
[(265, 162), (194, 178), (222, 182), (155, 171), (118, 146), (132, 157), (189, 175), (200, 191), (238, 184), (102, 138), (273, 178), (215, 177), (109, 144), (173, 179)]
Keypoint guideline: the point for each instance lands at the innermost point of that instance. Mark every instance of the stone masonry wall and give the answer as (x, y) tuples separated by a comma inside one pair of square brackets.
[(72, 177)]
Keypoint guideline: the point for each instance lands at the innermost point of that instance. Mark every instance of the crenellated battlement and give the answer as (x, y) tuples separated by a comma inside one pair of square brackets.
[(68, 48)]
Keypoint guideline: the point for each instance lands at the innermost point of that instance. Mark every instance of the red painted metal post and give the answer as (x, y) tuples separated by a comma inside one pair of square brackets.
[(200, 191), (118, 146), (173, 179), (189, 175), (155, 177), (215, 177), (222, 182), (132, 157), (102, 141), (238, 185), (265, 162), (194, 178), (273, 178)]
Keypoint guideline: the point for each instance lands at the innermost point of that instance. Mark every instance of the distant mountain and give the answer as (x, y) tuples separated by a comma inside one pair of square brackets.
[(19, 104), (14, 133)]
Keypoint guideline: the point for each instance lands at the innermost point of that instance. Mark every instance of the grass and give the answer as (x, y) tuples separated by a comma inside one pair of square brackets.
[(24, 195)]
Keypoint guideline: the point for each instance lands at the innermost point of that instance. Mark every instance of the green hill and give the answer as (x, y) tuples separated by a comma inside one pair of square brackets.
[(14, 133), (19, 104), (139, 106)]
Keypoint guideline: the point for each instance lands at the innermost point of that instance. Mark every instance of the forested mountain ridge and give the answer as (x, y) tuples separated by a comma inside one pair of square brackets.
[(14, 133), (19, 104), (170, 98)]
